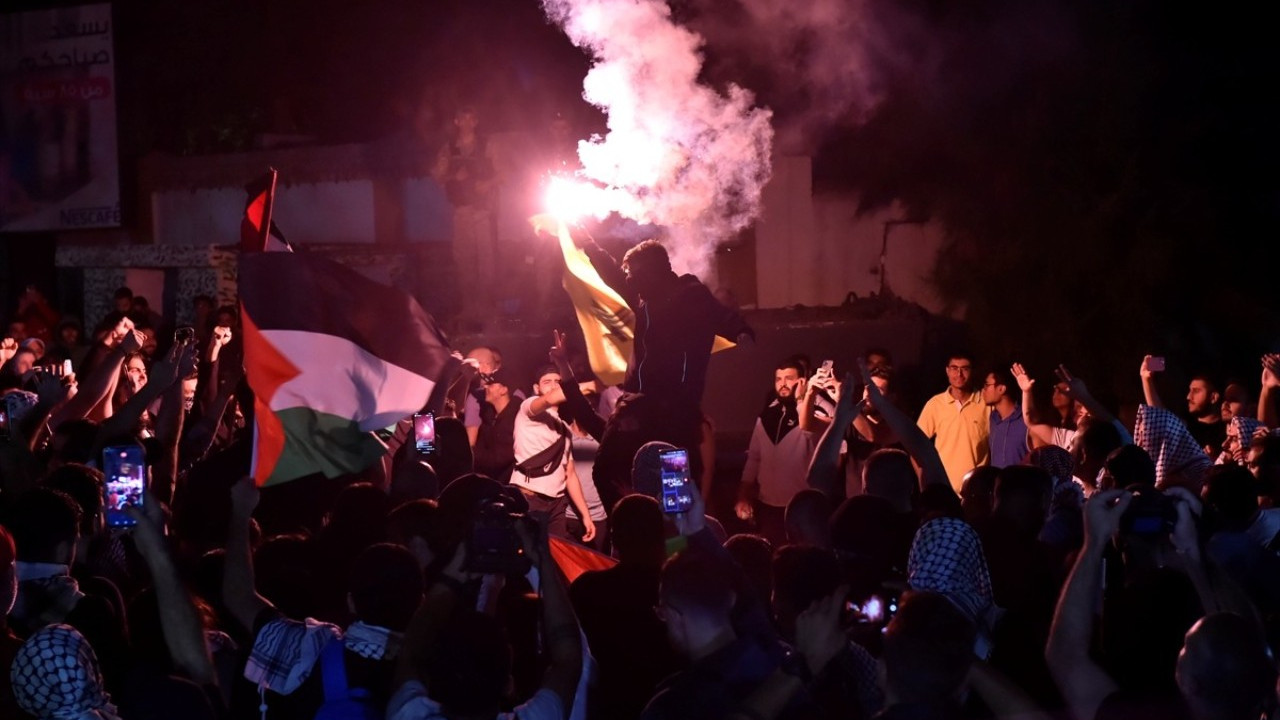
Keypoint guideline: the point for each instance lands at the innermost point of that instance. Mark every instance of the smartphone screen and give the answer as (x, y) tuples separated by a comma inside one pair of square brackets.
[(677, 490), (424, 433), (877, 610), (1156, 364), (125, 473)]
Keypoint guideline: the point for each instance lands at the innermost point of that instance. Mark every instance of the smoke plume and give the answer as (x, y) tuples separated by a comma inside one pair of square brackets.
[(687, 157)]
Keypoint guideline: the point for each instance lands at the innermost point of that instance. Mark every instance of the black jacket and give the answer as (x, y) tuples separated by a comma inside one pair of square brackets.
[(674, 333)]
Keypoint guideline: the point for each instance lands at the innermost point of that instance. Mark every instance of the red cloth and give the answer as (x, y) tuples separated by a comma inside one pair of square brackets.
[(575, 559)]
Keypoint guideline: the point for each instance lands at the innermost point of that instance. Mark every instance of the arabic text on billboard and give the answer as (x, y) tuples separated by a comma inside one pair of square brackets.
[(58, 161)]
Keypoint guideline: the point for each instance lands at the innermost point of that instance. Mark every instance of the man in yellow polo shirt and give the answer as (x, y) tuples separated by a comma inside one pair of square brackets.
[(957, 422)]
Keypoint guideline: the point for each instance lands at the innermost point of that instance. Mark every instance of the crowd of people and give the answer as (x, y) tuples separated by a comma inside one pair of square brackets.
[(989, 557)]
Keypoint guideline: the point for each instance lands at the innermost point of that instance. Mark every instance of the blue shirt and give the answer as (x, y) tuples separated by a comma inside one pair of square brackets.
[(1008, 439)]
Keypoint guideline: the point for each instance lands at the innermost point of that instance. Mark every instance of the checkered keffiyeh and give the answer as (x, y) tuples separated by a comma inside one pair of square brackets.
[(285, 651), (1245, 427), (1166, 439), (55, 676), (1057, 462), (946, 558)]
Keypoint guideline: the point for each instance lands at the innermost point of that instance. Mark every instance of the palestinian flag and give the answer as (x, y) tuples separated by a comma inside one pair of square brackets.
[(331, 355), (257, 210), (574, 559)]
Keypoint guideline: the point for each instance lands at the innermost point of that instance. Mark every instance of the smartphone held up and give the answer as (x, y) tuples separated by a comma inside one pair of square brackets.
[(125, 471), (424, 433), (677, 489)]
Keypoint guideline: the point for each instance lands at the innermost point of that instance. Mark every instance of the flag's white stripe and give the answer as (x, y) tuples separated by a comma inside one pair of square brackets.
[(341, 378)]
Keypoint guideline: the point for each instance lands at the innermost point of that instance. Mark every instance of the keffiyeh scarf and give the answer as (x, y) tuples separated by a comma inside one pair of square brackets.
[(1057, 462), (55, 675), (286, 651), (946, 558), (1245, 427), (1166, 439)]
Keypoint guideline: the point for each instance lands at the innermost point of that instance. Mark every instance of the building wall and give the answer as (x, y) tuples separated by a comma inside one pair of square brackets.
[(327, 212), (815, 250), (805, 250)]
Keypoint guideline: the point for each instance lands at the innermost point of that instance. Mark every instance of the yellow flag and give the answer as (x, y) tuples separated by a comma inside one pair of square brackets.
[(608, 323)]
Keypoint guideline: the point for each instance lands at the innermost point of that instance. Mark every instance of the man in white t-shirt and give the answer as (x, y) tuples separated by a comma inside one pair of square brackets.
[(544, 469)]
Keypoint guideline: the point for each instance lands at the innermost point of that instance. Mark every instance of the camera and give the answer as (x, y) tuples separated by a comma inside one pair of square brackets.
[(1150, 513), (494, 547)]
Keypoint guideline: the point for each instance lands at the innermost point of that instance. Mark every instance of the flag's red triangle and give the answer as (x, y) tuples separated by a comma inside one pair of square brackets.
[(267, 370)]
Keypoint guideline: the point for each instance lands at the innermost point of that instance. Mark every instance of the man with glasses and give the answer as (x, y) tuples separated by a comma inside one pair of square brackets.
[(1008, 432), (957, 421)]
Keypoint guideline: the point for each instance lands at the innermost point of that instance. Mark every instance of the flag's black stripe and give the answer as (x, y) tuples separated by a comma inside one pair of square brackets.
[(307, 292)]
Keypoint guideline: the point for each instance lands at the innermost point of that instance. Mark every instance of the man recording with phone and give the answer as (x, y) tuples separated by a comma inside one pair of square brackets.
[(1204, 404)]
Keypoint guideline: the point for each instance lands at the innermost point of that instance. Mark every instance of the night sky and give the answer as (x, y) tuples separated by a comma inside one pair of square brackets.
[(1106, 169)]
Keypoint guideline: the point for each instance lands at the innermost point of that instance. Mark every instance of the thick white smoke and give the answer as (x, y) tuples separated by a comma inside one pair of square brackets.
[(690, 158)]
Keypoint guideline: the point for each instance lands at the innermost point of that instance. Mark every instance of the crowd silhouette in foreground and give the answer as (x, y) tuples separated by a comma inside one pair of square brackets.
[(987, 556)]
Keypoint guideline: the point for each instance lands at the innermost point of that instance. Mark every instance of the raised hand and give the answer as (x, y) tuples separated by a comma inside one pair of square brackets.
[(120, 332), (1145, 371), (1075, 385), (164, 373), (558, 354), (187, 361), (1025, 382), (1271, 370), (821, 381), (8, 348), (221, 335), (693, 519), (132, 341), (1102, 515), (53, 387), (819, 637)]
